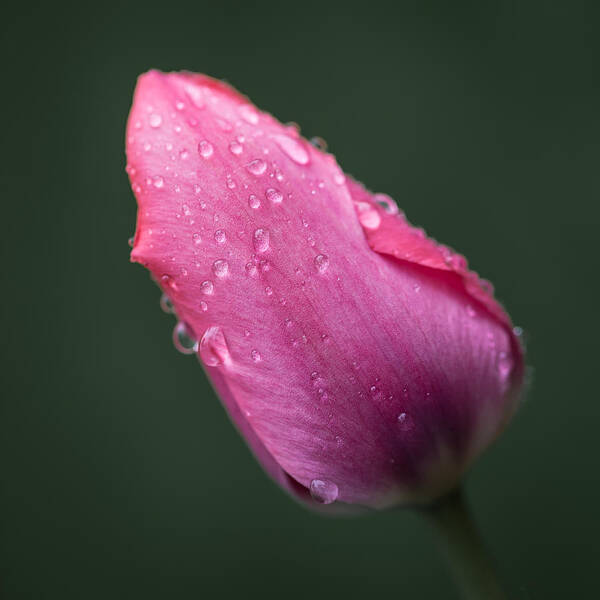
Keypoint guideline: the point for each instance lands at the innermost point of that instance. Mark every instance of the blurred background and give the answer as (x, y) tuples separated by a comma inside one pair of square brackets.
[(120, 474)]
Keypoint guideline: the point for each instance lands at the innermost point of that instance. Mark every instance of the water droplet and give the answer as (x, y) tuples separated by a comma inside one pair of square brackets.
[(220, 236), (183, 154), (179, 105), (183, 339), (205, 149), (251, 269), (368, 216), (203, 306), (319, 142), (169, 282), (155, 120), (505, 365), (257, 167), (261, 240), (195, 95), (323, 491), (470, 311), (248, 113), (269, 290), (253, 201), (230, 182), (274, 196), (292, 148), (207, 287), (255, 355), (387, 203), (132, 239), (321, 263), (402, 417), (158, 182), (220, 268), (236, 148), (213, 348), (166, 304), (197, 239)]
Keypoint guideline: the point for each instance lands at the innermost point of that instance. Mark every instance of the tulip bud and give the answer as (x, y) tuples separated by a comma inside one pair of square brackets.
[(362, 361)]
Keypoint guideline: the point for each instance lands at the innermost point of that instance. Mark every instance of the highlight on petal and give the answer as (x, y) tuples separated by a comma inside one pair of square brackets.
[(363, 363)]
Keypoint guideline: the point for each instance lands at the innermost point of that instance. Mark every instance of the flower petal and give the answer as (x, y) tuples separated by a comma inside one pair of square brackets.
[(366, 379)]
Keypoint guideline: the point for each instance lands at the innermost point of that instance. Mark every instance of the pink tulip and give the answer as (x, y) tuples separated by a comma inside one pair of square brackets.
[(361, 360)]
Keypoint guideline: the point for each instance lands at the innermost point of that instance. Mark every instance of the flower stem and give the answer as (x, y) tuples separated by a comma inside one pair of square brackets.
[(464, 549)]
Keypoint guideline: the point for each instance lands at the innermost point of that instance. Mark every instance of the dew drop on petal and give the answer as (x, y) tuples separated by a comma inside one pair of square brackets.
[(319, 142), (323, 491), (183, 339), (220, 267), (369, 218), (205, 149), (203, 306), (155, 120), (220, 236), (257, 167), (260, 240), (158, 182), (251, 269), (195, 95), (207, 287), (248, 113), (387, 203), (321, 263), (273, 195), (292, 148), (213, 349), (253, 201), (255, 355), (166, 304), (505, 365), (236, 148)]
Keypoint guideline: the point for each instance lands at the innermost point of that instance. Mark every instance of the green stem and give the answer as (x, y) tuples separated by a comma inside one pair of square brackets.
[(463, 546)]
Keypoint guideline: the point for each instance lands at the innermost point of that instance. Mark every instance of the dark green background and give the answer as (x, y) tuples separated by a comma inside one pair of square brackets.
[(121, 476)]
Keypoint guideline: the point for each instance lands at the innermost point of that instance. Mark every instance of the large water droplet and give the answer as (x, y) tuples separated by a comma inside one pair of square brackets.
[(220, 267), (261, 240), (257, 167), (183, 339), (205, 149), (321, 263), (213, 349), (368, 216), (292, 148), (158, 182), (273, 195), (323, 491)]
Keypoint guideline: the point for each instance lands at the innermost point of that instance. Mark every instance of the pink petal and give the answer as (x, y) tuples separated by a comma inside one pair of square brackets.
[(367, 379)]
